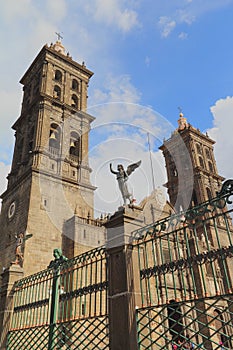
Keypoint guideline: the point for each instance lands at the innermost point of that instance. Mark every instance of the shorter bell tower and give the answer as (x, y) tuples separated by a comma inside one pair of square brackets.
[(191, 166)]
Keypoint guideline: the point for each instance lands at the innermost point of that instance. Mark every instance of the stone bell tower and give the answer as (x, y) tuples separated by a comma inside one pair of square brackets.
[(191, 167), (50, 174)]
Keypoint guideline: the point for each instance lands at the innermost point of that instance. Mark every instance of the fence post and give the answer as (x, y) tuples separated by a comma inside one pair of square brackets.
[(9, 277), (56, 266), (54, 307), (122, 291)]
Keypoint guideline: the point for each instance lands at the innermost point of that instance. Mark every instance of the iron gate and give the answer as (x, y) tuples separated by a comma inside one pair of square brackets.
[(184, 269), (186, 277), (63, 307)]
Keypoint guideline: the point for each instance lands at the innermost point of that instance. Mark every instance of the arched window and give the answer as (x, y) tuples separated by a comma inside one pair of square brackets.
[(207, 152), (54, 136), (74, 144), (198, 148), (58, 75), (208, 193), (75, 85), (74, 101), (201, 163), (57, 92), (194, 198), (210, 167)]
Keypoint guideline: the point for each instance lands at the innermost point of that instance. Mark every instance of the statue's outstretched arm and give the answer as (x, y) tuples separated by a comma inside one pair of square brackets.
[(112, 171)]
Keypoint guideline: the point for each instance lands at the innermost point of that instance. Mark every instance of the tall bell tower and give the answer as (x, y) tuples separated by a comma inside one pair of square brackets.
[(50, 174), (191, 167)]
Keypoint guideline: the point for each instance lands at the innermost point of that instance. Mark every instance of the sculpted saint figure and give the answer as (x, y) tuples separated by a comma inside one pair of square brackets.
[(18, 249), (20, 239), (122, 177)]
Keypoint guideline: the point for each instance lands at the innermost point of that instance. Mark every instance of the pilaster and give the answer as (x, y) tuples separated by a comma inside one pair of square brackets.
[(123, 274), (9, 277)]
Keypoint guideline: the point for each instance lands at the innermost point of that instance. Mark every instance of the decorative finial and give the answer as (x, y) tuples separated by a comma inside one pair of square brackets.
[(182, 121), (59, 37), (58, 44), (180, 110)]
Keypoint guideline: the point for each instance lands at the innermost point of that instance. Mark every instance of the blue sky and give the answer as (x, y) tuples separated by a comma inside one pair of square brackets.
[(149, 58)]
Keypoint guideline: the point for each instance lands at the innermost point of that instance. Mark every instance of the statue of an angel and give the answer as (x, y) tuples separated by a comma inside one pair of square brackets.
[(122, 177), (20, 239)]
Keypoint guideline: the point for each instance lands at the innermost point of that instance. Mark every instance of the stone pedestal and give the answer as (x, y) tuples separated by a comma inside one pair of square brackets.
[(9, 277), (121, 225), (122, 276)]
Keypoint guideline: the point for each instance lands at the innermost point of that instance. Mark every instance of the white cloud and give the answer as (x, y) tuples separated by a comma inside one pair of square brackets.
[(222, 133), (120, 135), (167, 25), (113, 12), (181, 13), (57, 9), (27, 26), (116, 89), (10, 104), (127, 20), (123, 149), (13, 10), (185, 16), (119, 104), (183, 36), (147, 61)]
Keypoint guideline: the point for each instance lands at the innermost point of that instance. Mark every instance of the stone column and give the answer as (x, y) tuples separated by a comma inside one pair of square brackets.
[(123, 274), (9, 277)]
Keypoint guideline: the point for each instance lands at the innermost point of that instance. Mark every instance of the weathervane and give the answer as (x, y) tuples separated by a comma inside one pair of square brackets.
[(59, 37), (180, 110)]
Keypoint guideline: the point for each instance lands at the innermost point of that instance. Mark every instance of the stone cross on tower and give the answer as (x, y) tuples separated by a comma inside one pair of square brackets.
[(59, 37)]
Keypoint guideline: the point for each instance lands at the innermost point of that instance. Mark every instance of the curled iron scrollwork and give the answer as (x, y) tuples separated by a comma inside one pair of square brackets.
[(199, 259), (227, 188), (191, 217), (226, 191), (93, 288)]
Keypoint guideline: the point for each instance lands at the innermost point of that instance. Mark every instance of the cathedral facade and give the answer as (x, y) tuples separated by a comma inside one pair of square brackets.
[(49, 199), (150, 259)]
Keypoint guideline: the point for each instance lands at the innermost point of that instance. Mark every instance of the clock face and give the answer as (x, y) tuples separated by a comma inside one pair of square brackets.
[(11, 210)]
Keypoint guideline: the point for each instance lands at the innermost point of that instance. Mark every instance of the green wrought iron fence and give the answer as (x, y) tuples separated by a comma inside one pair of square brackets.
[(185, 299), (63, 307), (204, 323), (186, 278)]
